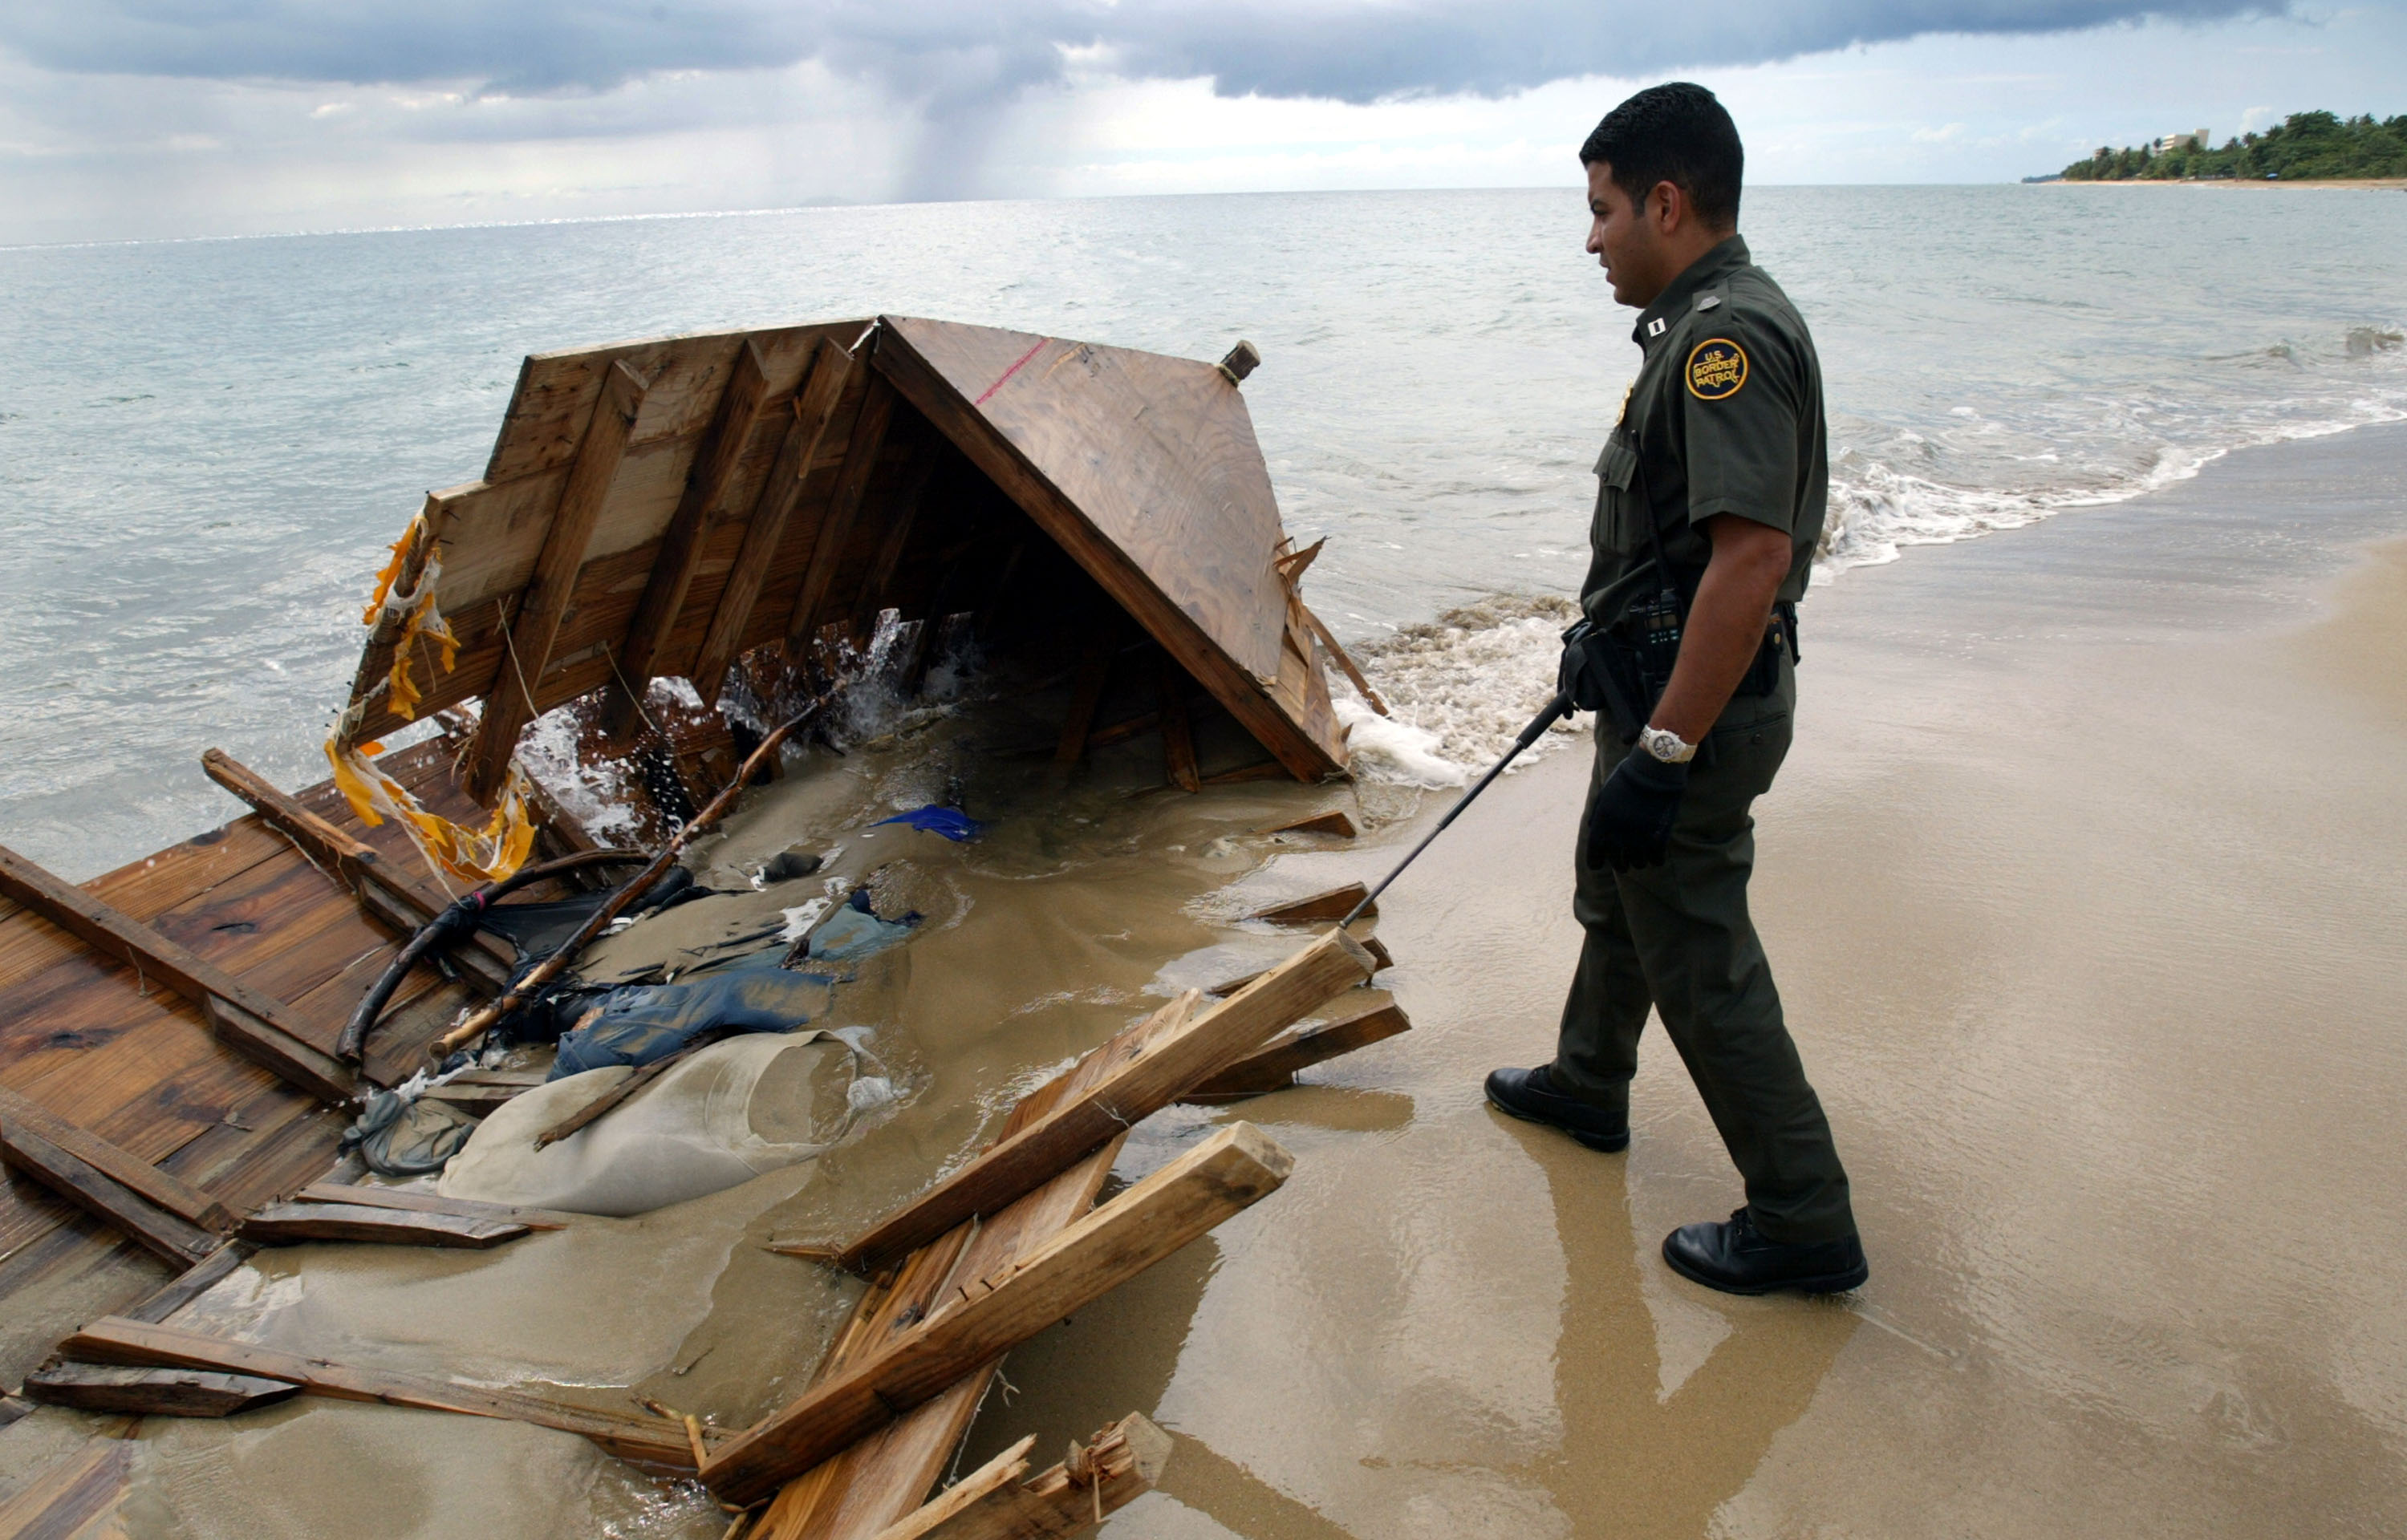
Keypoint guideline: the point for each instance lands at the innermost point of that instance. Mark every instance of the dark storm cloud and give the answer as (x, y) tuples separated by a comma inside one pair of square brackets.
[(953, 54)]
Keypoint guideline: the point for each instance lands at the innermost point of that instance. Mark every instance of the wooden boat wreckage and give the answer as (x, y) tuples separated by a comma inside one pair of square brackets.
[(741, 511)]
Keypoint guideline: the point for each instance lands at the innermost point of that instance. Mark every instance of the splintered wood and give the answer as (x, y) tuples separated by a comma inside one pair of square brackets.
[(1000, 1501)]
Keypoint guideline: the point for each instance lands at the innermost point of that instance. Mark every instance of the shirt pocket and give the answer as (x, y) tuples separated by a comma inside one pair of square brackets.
[(1617, 526)]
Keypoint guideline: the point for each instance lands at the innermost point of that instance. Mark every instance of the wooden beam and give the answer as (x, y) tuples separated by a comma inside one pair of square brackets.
[(1086, 694), (291, 1224), (166, 1235), (1184, 1055), (428, 1203), (1221, 1177), (400, 899), (70, 1498), (1334, 823), (1345, 661), (1335, 904), (1379, 962), (163, 1189), (1178, 732), (890, 553), (144, 1392), (114, 1340), (251, 1023), (1273, 1067), (189, 1284), (510, 696), (1119, 1464), (740, 409), (843, 507), (815, 408)]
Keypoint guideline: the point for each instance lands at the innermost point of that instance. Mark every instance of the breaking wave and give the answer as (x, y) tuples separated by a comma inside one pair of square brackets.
[(1458, 690)]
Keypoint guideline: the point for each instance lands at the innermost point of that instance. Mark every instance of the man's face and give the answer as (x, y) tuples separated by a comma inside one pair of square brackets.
[(1623, 240)]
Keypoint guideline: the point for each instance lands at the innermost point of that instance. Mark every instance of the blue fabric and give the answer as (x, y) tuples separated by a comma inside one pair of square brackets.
[(952, 823), (855, 931), (642, 1023)]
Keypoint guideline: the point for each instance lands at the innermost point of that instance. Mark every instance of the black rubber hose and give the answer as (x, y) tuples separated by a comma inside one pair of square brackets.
[(455, 924)]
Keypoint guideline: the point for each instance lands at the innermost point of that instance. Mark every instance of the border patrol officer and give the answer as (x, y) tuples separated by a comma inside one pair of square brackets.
[(1710, 505)]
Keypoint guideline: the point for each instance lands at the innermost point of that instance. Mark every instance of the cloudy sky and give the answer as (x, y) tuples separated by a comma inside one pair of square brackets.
[(132, 118)]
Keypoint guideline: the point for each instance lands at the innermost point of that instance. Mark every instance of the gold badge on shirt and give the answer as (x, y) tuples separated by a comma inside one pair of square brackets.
[(1716, 369)]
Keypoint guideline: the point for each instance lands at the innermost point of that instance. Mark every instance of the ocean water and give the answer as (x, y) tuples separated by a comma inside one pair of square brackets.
[(204, 445)]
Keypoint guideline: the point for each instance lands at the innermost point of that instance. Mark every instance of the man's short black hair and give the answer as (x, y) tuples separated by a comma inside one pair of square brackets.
[(1677, 134)]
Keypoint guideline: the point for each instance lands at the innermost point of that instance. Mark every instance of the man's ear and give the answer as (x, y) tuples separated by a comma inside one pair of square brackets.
[(1670, 204)]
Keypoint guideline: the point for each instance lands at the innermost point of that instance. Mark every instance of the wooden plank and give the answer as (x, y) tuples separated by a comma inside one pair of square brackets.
[(291, 1224), (1273, 1066), (188, 1285), (1086, 694), (815, 412), (880, 1479), (161, 1189), (1219, 1178), (741, 408), (1335, 904), (834, 533), (113, 1339), (143, 1392), (1119, 1464), (1181, 1056), (1379, 961), (399, 898), (173, 1241), (1334, 823), (65, 1502), (1146, 470), (246, 1020), (1178, 732), (430, 1203), (1345, 659), (508, 704)]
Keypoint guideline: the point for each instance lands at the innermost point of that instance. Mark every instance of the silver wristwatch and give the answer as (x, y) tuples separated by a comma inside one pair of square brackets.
[(1666, 745)]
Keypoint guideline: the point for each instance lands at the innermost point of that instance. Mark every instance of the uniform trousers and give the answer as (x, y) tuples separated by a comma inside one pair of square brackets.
[(1677, 938)]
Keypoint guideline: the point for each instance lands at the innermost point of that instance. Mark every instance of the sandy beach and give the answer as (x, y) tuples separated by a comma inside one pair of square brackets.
[(2086, 886)]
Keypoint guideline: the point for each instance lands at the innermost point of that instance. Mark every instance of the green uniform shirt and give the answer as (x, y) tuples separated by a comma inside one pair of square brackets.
[(1725, 418)]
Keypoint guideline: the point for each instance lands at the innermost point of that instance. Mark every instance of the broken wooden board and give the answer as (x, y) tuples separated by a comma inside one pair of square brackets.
[(1334, 823), (430, 1203), (1273, 1066), (1380, 961), (878, 1480), (1177, 1060), (114, 1340), (1313, 909), (291, 1224), (997, 1311), (144, 1392), (161, 1189), (166, 1236), (1119, 1464), (248, 1022)]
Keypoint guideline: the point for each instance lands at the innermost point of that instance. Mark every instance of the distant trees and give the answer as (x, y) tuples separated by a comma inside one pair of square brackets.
[(2308, 145)]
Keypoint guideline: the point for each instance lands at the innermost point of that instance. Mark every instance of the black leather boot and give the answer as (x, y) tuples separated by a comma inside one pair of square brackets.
[(1733, 1258), (1529, 1095)]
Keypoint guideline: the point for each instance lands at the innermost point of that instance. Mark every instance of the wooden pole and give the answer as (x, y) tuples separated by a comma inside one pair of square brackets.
[(985, 1317)]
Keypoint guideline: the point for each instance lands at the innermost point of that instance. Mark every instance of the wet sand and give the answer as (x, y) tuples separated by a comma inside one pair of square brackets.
[(2086, 886)]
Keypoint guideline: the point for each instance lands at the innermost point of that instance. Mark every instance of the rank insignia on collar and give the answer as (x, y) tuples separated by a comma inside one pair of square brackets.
[(1655, 326), (1716, 369)]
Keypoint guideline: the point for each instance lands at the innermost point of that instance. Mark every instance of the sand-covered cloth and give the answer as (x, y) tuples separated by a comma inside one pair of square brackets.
[(731, 1111)]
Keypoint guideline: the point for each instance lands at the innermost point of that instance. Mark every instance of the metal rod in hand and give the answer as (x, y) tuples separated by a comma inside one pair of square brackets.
[(1557, 709), (550, 967)]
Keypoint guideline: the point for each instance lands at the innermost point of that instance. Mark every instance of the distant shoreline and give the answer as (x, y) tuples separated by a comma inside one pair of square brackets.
[(2391, 183)]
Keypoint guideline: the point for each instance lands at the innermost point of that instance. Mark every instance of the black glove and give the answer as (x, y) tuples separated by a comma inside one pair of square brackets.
[(1629, 822), (1581, 673)]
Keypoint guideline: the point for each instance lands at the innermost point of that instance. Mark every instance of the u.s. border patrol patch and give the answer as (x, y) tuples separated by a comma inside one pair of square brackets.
[(1716, 368)]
